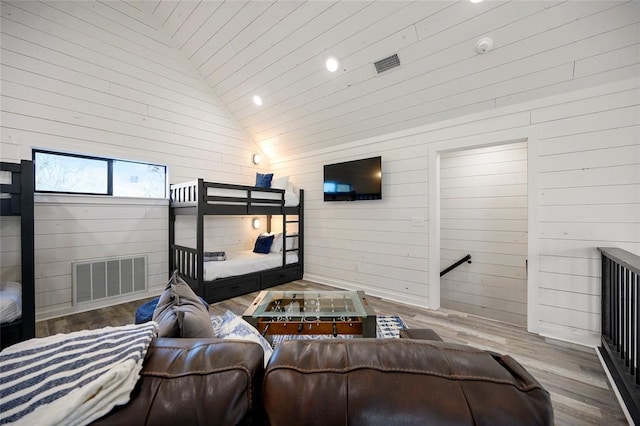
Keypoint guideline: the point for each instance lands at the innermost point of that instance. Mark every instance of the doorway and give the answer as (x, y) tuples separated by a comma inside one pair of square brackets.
[(460, 204), (483, 213)]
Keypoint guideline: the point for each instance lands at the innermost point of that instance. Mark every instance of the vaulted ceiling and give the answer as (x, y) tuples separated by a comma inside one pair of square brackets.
[(277, 50)]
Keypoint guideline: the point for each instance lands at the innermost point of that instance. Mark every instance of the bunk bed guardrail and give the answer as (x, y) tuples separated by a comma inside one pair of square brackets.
[(185, 260), (243, 198)]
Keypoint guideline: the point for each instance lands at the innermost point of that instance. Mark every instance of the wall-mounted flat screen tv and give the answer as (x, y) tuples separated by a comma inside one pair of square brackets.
[(353, 180)]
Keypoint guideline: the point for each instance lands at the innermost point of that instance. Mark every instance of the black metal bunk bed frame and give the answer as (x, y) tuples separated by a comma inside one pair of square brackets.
[(191, 198), (20, 203)]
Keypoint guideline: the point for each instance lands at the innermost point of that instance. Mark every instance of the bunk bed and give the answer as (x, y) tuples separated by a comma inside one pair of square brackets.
[(17, 301), (201, 198)]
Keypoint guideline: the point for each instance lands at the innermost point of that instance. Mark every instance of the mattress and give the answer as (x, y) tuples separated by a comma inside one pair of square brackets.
[(10, 301), (291, 199), (244, 262)]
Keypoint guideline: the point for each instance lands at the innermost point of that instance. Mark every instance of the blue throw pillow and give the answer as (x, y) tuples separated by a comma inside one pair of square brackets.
[(263, 244), (144, 313), (264, 180)]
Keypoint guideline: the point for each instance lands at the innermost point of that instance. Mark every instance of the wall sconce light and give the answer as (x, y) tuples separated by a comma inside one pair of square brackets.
[(256, 158), (255, 223)]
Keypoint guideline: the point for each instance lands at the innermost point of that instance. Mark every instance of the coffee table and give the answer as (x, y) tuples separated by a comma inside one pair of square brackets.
[(312, 312)]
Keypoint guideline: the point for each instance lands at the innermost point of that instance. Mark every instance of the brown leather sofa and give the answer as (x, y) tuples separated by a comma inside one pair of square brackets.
[(332, 382), (188, 382)]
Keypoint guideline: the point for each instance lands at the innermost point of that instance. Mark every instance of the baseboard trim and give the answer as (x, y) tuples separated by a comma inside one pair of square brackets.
[(579, 337), (421, 302), (90, 306)]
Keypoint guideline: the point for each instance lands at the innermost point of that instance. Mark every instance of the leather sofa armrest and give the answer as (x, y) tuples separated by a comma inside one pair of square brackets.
[(195, 381)]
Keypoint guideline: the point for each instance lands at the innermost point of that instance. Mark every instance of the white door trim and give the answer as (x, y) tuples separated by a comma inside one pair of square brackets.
[(435, 150)]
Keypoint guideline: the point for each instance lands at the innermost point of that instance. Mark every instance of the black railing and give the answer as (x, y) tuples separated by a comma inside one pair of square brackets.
[(467, 259), (620, 323)]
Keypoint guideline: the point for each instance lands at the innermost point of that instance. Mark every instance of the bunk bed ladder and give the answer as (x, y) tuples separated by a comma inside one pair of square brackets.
[(298, 236)]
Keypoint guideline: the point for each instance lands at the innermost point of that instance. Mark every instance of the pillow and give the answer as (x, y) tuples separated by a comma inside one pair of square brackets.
[(231, 326), (263, 244), (264, 180), (280, 183), (276, 246), (180, 313)]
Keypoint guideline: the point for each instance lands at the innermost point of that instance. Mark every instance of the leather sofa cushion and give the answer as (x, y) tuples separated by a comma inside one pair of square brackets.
[(195, 382), (399, 381)]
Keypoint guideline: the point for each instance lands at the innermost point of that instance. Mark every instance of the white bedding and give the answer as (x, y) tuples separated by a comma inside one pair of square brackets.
[(10, 301), (244, 262), (291, 199)]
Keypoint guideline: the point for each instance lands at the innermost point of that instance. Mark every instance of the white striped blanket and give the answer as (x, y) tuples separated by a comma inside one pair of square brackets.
[(71, 379)]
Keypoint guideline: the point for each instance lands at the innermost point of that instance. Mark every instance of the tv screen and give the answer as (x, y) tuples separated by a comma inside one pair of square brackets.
[(353, 180)]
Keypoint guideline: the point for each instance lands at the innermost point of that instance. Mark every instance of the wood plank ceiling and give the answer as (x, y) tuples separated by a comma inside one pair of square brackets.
[(277, 50)]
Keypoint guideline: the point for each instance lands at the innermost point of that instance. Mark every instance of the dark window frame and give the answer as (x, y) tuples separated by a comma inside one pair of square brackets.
[(110, 176)]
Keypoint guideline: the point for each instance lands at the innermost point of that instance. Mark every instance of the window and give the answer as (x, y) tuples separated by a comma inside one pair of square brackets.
[(79, 174)]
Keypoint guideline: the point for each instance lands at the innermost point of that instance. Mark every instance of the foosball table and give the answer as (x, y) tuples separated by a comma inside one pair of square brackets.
[(312, 312)]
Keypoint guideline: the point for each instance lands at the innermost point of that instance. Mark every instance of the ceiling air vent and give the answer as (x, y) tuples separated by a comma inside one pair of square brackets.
[(387, 63)]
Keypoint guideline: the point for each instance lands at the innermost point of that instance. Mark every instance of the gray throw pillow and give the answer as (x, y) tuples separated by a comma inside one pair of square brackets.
[(180, 313)]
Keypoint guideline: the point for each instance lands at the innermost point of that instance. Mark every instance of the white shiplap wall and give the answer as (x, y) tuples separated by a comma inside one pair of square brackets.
[(221, 233), (583, 186), (369, 244), (70, 228), (101, 78), (483, 212), (589, 195)]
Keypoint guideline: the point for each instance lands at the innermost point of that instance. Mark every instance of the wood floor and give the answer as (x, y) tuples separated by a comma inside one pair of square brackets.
[(573, 375)]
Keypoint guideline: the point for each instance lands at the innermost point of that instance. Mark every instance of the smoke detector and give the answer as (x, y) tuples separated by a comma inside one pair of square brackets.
[(484, 45)]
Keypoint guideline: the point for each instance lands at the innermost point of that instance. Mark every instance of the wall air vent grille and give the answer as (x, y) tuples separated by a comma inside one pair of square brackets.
[(105, 278), (387, 63)]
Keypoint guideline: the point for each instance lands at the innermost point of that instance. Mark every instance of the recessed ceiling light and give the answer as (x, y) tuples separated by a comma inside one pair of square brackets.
[(475, 1), (332, 64), (257, 100)]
